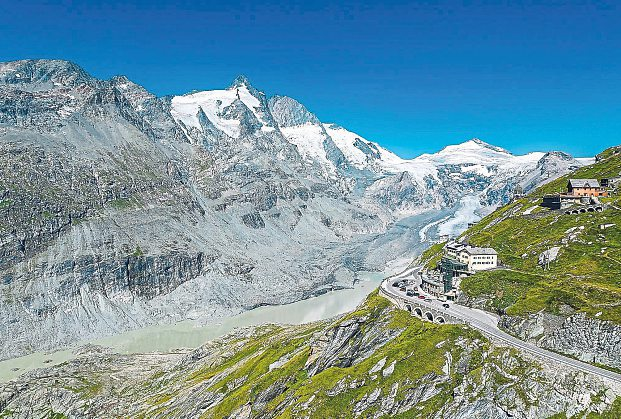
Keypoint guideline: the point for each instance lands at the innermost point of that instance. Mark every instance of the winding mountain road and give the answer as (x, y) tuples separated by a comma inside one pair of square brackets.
[(487, 323)]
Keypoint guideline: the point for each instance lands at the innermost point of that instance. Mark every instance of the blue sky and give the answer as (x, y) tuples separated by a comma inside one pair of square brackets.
[(413, 76)]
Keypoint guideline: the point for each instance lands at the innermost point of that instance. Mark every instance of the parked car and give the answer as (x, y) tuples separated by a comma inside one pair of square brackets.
[(421, 297), (428, 300), (445, 305), (416, 294), (395, 284), (410, 293), (402, 289)]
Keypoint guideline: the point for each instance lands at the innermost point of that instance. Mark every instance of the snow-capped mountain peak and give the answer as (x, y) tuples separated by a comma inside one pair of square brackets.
[(332, 151), (222, 108), (240, 81), (476, 143), (475, 151)]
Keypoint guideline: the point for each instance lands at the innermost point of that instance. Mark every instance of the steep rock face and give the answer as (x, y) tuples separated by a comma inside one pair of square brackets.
[(375, 362), (33, 75), (401, 192), (553, 164), (120, 209), (107, 209), (288, 112), (585, 338)]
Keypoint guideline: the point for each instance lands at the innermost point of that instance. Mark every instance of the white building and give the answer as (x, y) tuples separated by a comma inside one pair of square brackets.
[(476, 258), (479, 258)]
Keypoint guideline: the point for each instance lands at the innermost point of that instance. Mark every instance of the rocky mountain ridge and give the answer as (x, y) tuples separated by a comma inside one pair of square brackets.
[(120, 209)]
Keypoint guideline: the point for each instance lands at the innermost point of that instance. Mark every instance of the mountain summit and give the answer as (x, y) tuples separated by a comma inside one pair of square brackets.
[(240, 81), (485, 145), (45, 73)]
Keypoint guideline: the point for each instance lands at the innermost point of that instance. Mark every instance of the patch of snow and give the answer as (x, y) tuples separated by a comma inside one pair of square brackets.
[(309, 140), (65, 111), (478, 169), (423, 231), (529, 210), (586, 160)]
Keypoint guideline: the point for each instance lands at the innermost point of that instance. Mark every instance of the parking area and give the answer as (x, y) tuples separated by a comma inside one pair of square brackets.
[(410, 287)]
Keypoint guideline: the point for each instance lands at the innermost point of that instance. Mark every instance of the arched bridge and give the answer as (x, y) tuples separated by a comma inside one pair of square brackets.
[(422, 310), (584, 209)]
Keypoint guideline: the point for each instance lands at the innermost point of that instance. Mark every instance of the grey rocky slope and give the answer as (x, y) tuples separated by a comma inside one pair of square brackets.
[(119, 209), (375, 362)]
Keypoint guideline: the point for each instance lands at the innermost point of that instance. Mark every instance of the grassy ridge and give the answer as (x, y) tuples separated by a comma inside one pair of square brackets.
[(420, 353), (586, 276), (415, 349), (378, 360)]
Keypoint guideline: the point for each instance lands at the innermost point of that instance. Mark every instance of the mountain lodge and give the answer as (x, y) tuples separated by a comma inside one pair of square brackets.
[(579, 191), (585, 187)]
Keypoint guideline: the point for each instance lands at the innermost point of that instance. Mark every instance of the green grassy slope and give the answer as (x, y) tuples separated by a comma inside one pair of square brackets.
[(416, 353), (377, 361), (587, 273), (420, 352)]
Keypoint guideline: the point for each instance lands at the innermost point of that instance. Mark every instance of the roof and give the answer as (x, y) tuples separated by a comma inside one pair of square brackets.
[(454, 245), (480, 250), (432, 282), (584, 183)]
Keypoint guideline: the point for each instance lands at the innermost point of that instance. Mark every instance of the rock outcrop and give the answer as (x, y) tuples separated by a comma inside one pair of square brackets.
[(585, 338)]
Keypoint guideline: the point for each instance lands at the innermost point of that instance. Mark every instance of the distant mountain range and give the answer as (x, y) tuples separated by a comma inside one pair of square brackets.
[(120, 209)]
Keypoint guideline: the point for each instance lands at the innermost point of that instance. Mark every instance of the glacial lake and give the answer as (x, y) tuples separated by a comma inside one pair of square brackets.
[(188, 334)]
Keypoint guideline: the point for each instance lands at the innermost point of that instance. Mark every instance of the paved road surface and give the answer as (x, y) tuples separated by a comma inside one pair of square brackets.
[(488, 324)]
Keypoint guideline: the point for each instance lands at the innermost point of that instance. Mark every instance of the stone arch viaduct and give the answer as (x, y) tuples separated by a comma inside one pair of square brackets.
[(422, 310)]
